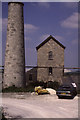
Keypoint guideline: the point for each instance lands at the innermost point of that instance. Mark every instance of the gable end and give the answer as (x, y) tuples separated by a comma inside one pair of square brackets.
[(45, 41)]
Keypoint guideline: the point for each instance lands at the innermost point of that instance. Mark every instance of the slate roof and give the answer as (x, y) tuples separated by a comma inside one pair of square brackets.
[(45, 41)]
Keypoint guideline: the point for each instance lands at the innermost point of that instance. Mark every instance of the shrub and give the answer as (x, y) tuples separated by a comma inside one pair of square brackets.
[(50, 84), (30, 87), (20, 89), (54, 85), (38, 83)]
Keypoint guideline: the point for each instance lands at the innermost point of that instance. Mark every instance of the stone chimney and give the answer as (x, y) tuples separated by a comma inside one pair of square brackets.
[(14, 68)]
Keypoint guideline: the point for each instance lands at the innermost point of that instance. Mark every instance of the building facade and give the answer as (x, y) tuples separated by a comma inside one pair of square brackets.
[(50, 60), (31, 76)]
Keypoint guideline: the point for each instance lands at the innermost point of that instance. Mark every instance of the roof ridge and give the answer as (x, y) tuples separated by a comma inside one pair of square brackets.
[(47, 39)]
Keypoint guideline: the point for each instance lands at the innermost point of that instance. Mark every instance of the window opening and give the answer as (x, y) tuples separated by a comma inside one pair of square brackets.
[(50, 55)]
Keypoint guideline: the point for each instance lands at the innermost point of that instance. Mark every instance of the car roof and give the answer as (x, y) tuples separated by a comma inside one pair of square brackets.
[(65, 85)]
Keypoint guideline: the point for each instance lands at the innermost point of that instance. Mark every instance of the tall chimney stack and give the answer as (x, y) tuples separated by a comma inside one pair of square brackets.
[(14, 68)]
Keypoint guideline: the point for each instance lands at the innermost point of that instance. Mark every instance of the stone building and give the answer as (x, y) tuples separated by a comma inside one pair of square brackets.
[(50, 60)]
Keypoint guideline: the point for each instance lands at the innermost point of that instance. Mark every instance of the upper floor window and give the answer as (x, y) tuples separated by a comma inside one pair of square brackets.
[(50, 56)]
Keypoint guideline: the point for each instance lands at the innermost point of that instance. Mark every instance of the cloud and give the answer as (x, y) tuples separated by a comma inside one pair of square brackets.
[(29, 28), (27, 38), (71, 4), (60, 38), (71, 22), (75, 42), (4, 24), (30, 56), (43, 37), (4, 20), (42, 4)]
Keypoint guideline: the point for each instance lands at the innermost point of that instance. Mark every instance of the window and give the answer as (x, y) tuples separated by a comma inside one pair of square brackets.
[(30, 77), (50, 55), (50, 70)]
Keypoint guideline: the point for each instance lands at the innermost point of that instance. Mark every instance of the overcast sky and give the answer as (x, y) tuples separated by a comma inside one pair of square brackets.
[(59, 19)]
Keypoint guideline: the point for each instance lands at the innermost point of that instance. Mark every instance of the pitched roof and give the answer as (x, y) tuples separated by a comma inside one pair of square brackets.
[(45, 41)]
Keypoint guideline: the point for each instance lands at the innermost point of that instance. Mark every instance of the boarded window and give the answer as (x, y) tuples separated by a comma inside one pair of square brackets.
[(50, 57), (50, 70)]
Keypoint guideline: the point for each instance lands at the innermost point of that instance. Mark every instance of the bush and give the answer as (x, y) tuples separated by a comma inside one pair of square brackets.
[(38, 83), (50, 84), (30, 87), (54, 85)]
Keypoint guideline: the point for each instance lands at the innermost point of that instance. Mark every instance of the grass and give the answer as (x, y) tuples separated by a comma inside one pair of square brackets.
[(31, 86), (16, 89)]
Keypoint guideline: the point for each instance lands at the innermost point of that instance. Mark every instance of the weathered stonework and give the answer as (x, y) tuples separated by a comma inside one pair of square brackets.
[(14, 69), (31, 76), (72, 77), (57, 63)]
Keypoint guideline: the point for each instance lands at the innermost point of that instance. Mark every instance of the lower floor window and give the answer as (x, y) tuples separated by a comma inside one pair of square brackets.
[(30, 77), (50, 70)]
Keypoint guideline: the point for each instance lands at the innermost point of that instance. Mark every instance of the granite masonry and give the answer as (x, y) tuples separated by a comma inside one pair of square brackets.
[(50, 60), (14, 69)]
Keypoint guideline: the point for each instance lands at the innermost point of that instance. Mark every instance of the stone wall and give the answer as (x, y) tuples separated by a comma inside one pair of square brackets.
[(72, 77), (67, 78), (31, 76), (57, 62)]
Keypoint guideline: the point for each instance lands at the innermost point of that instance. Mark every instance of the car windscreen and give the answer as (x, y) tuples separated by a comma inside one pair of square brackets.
[(65, 88)]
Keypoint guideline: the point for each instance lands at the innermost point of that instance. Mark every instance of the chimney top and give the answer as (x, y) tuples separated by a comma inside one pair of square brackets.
[(16, 3)]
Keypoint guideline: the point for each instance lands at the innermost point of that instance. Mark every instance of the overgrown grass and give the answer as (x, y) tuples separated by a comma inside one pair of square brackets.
[(16, 89), (31, 86)]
